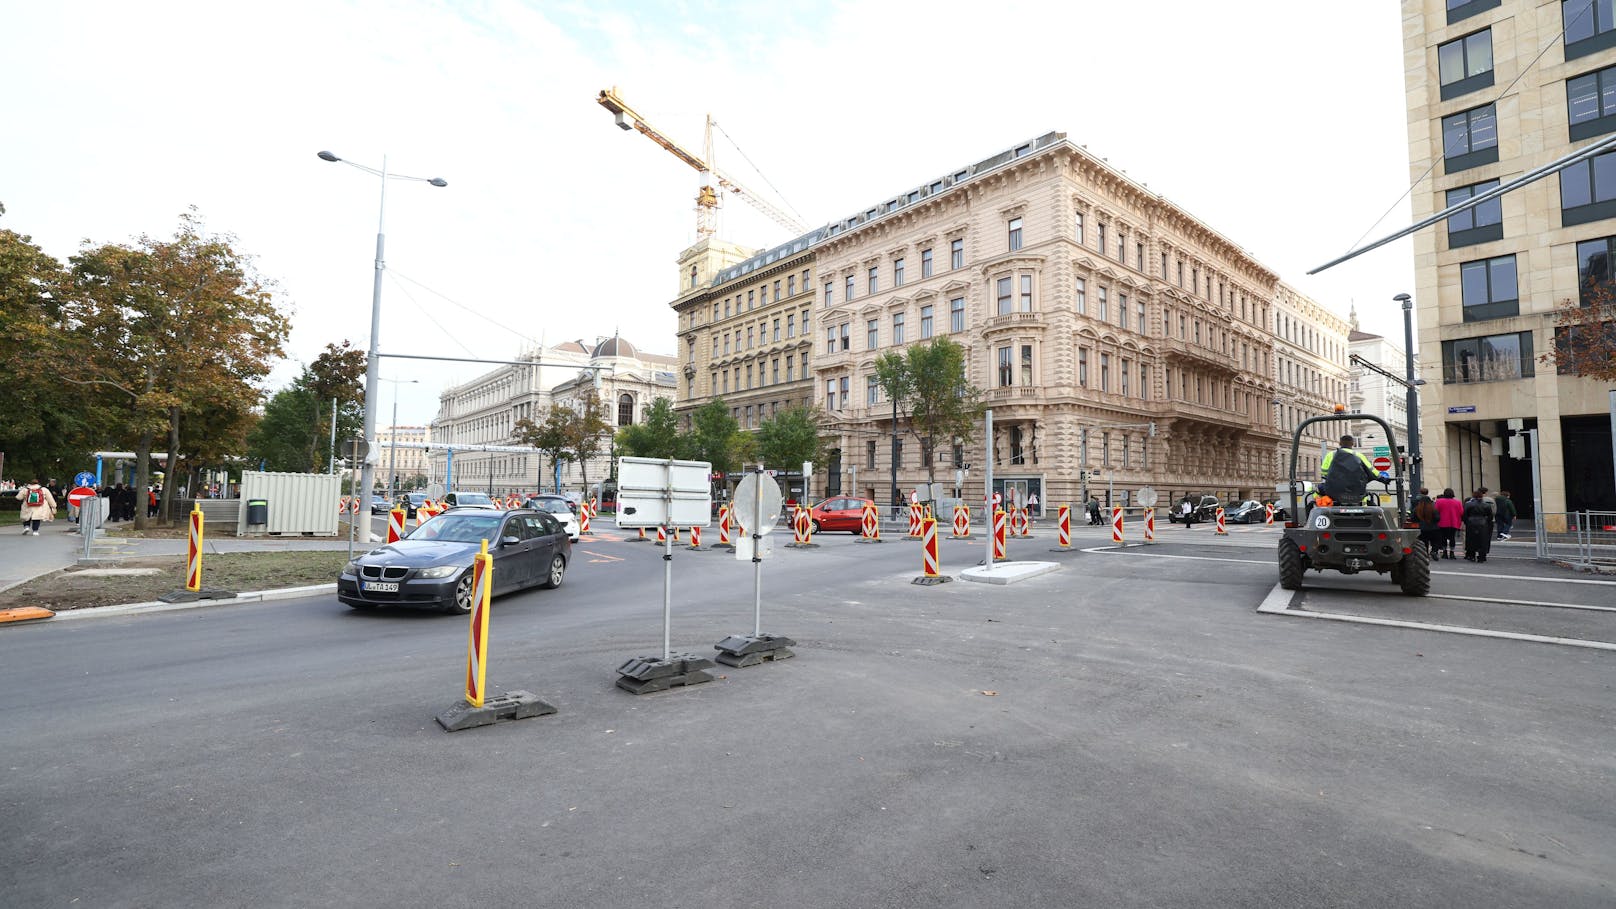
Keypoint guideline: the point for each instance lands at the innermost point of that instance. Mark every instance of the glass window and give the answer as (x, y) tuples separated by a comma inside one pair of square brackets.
[(956, 314), (791, 285), (847, 335), (1105, 372), (869, 455), (846, 386), (872, 390), (1082, 293), (830, 340), (1100, 232), (872, 331), (776, 335), (1469, 131), (789, 358), (1487, 213), (1144, 381), (897, 328), (897, 272), (925, 262), (1590, 97), (1126, 367), (1462, 58), (925, 322), (1015, 234), (1003, 296), (1007, 367), (847, 289), (1583, 19), (1078, 223), (830, 394), (1139, 308), (1594, 258), (1492, 358), (830, 293), (1488, 288), (874, 274), (1103, 309), (625, 410), (791, 326), (956, 254), (1083, 367), (1026, 293), (774, 371), (1026, 364), (1122, 310)]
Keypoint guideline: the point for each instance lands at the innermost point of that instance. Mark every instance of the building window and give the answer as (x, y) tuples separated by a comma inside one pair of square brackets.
[(1099, 230), (751, 416), (1103, 311), (1493, 358), (1579, 341), (956, 254), (925, 322), (776, 335), (1591, 103), (872, 331), (776, 291), (751, 301), (726, 381), (1007, 367), (869, 455), (1139, 309), (830, 394), (803, 321), (1590, 25), (1105, 372), (748, 337), (1465, 64), (726, 342), (1077, 223), (1470, 138), (791, 285), (1594, 260), (1144, 382), (1122, 246), (1139, 256), (872, 390), (748, 375), (1105, 449), (791, 326), (1488, 289), (625, 410), (897, 272), (1083, 367), (847, 289), (843, 388), (1026, 293), (774, 371), (1018, 451), (1125, 368), (1015, 234), (1002, 296), (830, 340), (1026, 364), (874, 275), (925, 262), (897, 452), (1479, 223), (1122, 310), (788, 368), (830, 293), (847, 335), (897, 328)]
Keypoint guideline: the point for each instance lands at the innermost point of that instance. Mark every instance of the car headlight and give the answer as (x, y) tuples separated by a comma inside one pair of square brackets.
[(441, 571), (351, 568)]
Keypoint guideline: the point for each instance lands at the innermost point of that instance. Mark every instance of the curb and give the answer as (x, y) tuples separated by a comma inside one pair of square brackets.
[(255, 596)]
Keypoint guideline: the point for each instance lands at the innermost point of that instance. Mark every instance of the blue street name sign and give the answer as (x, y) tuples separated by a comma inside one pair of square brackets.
[(1462, 408)]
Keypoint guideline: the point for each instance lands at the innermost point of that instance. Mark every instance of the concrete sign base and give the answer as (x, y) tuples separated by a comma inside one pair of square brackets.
[(516, 705), (644, 675), (749, 650), (1008, 572)]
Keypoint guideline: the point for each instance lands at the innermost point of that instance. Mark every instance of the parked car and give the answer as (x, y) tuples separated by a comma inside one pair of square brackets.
[(410, 501), (559, 508), (379, 504), (1248, 512), (839, 513), (432, 565), (469, 500), (1205, 509)]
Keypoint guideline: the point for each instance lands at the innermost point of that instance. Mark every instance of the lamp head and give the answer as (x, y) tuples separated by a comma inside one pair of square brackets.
[(438, 181), (327, 156)]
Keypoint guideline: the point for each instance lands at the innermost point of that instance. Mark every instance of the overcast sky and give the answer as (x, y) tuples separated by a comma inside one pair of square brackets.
[(1281, 126)]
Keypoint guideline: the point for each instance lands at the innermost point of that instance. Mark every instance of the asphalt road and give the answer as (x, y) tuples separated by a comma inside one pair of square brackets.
[(1127, 731)]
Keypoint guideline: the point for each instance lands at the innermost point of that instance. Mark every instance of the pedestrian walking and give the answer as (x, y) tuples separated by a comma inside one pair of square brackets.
[(38, 506), (1478, 527), (1425, 514), (1450, 517), (1094, 511), (1506, 514), (1187, 509)]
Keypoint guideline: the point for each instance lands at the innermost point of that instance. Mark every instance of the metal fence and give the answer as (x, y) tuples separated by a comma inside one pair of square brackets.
[(1578, 537)]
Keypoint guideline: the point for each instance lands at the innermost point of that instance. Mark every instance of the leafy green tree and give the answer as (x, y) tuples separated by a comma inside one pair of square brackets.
[(176, 326), (550, 434), (337, 374), (281, 438), (657, 437), (716, 437), (929, 385), (787, 439), (589, 432)]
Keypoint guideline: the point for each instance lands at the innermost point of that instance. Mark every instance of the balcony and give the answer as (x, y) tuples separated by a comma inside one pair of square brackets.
[(1179, 349), (1013, 393), (1013, 321)]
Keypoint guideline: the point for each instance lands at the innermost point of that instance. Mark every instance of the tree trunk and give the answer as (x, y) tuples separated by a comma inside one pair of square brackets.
[(165, 507), (142, 476)]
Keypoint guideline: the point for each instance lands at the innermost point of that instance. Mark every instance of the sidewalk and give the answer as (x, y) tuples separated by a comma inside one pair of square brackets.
[(25, 557)]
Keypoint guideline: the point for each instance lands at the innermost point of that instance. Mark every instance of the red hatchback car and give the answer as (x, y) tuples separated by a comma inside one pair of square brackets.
[(840, 513)]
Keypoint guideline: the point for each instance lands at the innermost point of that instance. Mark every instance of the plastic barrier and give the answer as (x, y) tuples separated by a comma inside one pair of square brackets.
[(928, 554), (583, 520), (695, 538), (914, 521), (193, 559), (962, 522), (1150, 525), (353, 507), (1222, 531), (723, 526), (1268, 514), (1063, 527), (801, 526), (1116, 525), (1018, 522), (342, 506), (661, 536), (395, 525), (477, 645), (999, 521), (869, 524)]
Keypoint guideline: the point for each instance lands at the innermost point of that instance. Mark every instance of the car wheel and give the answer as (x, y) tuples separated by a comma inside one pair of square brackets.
[(558, 570), (460, 601), (1415, 577), (813, 526), (1290, 564)]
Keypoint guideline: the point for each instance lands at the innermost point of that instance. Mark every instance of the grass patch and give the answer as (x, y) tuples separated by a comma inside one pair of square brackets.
[(238, 571)]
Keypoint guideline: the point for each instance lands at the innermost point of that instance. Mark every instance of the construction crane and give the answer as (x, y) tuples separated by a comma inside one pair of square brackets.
[(706, 195)]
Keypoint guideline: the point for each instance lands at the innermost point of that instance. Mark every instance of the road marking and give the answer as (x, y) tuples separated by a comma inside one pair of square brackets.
[(1278, 603), (600, 556), (1134, 550), (1524, 577), (1112, 550), (1449, 596)]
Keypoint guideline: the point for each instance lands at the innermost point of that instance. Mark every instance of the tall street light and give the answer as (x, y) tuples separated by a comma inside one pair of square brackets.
[(392, 450), (372, 395), (1416, 468)]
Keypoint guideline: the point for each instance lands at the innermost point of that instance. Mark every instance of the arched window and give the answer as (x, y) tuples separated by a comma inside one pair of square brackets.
[(625, 410)]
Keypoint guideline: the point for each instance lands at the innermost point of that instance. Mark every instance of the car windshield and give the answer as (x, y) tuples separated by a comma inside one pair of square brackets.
[(472, 498), (459, 528), (554, 506)]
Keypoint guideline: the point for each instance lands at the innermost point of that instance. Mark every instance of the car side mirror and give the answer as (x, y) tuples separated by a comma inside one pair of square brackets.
[(509, 541)]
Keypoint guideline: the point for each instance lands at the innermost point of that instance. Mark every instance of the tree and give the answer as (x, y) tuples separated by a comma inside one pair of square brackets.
[(338, 373), (716, 437), (172, 326), (280, 440), (929, 385), (588, 431), (657, 437), (787, 439), (1585, 334)]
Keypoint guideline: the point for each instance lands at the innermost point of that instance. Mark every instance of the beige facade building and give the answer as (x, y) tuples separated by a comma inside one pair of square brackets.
[(1488, 280), (744, 328), (1310, 375), (399, 466)]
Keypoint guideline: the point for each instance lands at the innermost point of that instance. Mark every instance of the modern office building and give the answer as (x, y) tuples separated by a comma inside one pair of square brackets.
[(1497, 88)]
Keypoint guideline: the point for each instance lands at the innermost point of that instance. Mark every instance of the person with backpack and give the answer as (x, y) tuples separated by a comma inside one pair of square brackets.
[(1425, 515), (38, 505), (1478, 527), (1347, 473)]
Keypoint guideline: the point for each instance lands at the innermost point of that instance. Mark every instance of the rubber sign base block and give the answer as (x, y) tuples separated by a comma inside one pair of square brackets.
[(802, 545), (515, 705), (864, 540), (932, 582), (742, 650), (644, 675), (191, 596)]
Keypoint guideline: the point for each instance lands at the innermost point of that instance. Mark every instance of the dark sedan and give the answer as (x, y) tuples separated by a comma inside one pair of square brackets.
[(432, 565)]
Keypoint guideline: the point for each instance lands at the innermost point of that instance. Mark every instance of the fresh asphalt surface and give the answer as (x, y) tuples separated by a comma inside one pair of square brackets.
[(1127, 731)]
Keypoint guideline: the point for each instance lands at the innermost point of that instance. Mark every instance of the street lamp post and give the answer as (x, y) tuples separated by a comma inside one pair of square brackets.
[(372, 362), (1415, 469)]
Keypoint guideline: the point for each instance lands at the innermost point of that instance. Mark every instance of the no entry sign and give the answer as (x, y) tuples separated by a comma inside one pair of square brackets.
[(78, 495), (1383, 463)]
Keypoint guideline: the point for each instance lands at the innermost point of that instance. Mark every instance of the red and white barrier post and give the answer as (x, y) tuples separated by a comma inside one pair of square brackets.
[(914, 521), (1150, 525), (395, 525), (695, 538), (1116, 525), (928, 555), (1268, 514), (869, 524), (999, 521), (1222, 531), (661, 535), (962, 522), (1018, 523), (723, 527), (193, 558), (583, 518), (1063, 527), (802, 530)]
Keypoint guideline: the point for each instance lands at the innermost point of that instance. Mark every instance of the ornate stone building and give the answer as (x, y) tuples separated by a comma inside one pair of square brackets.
[(1310, 377)]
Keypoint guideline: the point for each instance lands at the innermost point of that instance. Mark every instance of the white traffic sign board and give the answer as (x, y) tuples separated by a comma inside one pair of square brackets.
[(757, 502), (660, 492), (1146, 497)]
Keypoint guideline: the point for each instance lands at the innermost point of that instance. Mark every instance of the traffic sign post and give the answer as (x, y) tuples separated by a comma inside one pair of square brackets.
[(757, 501)]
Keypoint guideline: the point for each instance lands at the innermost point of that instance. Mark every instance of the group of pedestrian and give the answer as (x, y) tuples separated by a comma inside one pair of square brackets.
[(1483, 518)]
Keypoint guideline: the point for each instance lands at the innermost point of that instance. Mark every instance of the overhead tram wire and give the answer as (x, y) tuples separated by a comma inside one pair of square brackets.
[(1559, 36), (446, 333), (453, 302)]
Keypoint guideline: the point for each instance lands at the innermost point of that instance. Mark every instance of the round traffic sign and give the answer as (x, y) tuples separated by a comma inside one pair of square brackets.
[(79, 494), (84, 478), (757, 501), (1146, 496), (1383, 463)]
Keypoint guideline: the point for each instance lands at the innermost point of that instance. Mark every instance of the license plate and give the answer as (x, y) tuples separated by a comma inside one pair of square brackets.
[(382, 586)]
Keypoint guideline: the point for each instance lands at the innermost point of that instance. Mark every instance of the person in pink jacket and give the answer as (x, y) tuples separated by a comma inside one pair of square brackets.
[(1449, 518)]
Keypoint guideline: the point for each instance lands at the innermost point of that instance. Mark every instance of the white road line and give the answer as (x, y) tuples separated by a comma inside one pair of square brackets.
[(1132, 550), (1109, 550), (1278, 599), (1449, 596), (1523, 577)]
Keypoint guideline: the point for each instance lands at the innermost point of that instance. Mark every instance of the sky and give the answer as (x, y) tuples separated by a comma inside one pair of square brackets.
[(1282, 126)]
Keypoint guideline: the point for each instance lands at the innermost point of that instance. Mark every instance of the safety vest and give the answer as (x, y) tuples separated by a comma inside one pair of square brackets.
[(1324, 466)]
